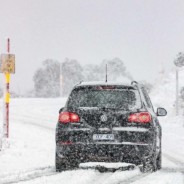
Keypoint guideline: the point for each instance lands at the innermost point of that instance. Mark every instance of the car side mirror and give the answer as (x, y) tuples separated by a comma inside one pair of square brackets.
[(161, 112), (60, 110)]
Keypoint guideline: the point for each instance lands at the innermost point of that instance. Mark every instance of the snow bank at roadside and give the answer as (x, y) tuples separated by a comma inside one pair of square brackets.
[(164, 91), (164, 95)]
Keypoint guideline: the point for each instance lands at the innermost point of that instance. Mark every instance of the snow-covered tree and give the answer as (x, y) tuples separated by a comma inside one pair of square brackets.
[(71, 72), (115, 69), (92, 73), (182, 93), (179, 61), (46, 79)]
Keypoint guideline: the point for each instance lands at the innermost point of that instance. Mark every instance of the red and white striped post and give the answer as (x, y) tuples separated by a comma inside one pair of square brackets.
[(7, 98)]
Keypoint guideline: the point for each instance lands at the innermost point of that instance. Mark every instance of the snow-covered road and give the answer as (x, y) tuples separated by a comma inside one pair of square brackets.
[(30, 156)]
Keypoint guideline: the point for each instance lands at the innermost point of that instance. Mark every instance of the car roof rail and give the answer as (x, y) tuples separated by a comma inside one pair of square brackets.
[(134, 82), (139, 85), (79, 83)]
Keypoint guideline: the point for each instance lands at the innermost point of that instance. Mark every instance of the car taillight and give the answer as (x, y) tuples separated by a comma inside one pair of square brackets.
[(66, 117), (142, 117)]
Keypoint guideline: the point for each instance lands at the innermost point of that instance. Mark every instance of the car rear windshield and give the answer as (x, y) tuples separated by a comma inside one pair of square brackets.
[(105, 98)]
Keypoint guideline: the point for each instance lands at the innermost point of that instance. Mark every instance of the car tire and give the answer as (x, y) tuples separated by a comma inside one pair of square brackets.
[(63, 164), (154, 162), (150, 163), (159, 161), (59, 164), (159, 155)]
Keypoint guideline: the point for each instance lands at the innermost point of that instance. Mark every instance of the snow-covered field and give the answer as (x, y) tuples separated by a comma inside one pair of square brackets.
[(30, 152)]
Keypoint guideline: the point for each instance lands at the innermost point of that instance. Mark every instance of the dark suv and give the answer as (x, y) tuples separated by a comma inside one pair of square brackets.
[(109, 122)]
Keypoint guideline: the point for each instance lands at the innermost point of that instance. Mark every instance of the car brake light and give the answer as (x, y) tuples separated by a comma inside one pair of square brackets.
[(142, 117), (66, 117), (105, 87)]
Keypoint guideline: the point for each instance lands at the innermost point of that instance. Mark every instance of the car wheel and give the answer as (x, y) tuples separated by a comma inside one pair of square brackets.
[(159, 158), (159, 152), (59, 164), (150, 163), (154, 162), (159, 161), (63, 164)]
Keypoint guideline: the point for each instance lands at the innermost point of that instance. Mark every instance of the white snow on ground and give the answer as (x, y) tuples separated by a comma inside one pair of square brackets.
[(30, 146), (161, 177), (30, 155), (84, 177)]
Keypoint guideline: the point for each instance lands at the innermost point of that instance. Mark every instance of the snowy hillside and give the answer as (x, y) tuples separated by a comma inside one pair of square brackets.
[(30, 155)]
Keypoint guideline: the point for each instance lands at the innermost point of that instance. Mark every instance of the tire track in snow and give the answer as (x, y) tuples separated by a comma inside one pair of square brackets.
[(31, 174), (164, 169), (135, 178), (174, 160), (36, 173)]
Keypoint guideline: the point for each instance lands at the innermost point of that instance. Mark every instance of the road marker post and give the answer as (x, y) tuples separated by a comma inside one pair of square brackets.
[(179, 62), (7, 66), (6, 102)]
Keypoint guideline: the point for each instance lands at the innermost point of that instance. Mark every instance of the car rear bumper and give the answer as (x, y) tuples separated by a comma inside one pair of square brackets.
[(103, 151)]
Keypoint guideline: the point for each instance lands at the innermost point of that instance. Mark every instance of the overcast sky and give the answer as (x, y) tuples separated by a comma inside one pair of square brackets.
[(143, 33)]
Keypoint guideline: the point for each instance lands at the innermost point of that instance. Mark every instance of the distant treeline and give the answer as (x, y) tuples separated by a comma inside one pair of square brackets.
[(55, 78)]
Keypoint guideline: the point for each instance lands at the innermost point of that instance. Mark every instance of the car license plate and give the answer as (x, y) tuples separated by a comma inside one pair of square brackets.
[(101, 137)]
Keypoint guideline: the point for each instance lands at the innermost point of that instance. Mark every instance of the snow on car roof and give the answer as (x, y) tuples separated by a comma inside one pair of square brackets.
[(94, 83)]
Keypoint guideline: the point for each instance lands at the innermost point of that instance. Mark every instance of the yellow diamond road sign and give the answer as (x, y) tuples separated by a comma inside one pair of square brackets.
[(7, 64)]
